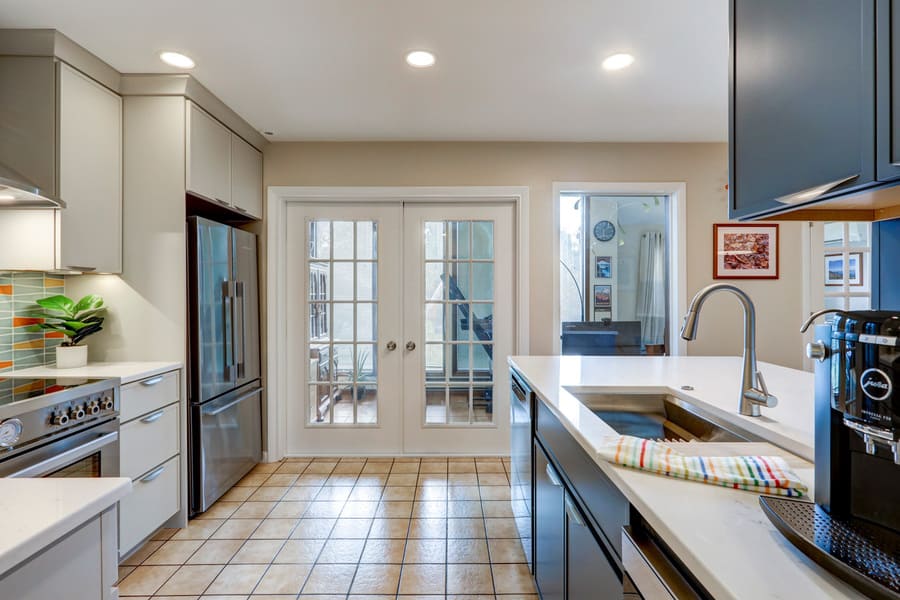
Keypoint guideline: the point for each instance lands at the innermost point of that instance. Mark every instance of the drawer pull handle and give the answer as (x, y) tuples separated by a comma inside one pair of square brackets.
[(153, 474), (573, 512), (554, 478), (814, 192), (153, 380), (154, 417)]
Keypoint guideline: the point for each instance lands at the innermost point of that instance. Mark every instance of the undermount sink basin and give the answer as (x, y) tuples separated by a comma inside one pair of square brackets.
[(659, 417)]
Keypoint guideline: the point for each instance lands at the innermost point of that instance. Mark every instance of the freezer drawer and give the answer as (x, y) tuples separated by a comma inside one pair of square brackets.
[(226, 443)]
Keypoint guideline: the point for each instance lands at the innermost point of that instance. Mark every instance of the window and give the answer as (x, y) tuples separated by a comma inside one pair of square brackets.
[(848, 264)]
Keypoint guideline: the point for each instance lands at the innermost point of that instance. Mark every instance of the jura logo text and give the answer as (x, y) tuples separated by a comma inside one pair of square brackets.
[(876, 384)]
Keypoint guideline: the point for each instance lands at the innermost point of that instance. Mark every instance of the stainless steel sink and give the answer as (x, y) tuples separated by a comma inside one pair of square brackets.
[(659, 416)]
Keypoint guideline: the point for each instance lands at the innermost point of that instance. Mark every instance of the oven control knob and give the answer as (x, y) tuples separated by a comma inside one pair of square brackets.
[(77, 413), (10, 431), (61, 418), (93, 408), (107, 403)]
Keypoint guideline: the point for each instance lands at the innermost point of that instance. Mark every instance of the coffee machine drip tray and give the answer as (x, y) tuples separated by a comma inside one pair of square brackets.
[(864, 555)]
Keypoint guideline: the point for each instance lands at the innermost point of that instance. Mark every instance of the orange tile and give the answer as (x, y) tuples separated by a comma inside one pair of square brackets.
[(25, 321), (39, 343), (4, 364), (53, 282), (6, 289), (29, 387), (54, 335)]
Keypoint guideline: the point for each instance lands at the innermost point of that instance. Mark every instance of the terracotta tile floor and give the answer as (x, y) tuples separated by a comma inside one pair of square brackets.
[(348, 529)]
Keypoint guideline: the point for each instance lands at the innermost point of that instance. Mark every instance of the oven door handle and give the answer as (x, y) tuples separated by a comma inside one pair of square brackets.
[(67, 457)]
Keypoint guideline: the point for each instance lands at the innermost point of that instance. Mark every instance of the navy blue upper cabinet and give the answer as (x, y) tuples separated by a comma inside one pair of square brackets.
[(888, 90), (802, 103)]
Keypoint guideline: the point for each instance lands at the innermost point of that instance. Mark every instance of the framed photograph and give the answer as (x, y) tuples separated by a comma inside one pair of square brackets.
[(834, 269), (745, 251), (603, 267), (603, 296)]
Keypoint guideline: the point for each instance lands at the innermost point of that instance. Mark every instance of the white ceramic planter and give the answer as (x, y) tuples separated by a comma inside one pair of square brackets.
[(69, 357)]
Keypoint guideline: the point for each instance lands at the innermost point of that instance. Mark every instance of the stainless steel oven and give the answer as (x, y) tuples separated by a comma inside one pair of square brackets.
[(59, 427), (92, 452)]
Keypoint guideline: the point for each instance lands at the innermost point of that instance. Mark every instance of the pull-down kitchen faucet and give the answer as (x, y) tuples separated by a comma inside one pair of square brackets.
[(752, 397)]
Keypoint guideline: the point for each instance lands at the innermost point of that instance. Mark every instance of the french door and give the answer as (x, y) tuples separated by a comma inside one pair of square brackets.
[(401, 327)]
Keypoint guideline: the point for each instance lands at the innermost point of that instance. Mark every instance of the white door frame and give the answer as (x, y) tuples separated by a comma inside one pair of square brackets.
[(278, 198), (676, 191)]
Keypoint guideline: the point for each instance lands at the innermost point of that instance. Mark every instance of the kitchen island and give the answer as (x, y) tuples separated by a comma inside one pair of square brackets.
[(720, 536), (60, 537)]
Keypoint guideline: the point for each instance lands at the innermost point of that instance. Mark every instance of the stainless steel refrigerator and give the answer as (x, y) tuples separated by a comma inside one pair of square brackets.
[(225, 423)]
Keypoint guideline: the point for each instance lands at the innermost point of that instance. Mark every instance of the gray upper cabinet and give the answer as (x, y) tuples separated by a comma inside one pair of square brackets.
[(802, 102), (208, 169), (246, 177), (62, 130), (90, 175)]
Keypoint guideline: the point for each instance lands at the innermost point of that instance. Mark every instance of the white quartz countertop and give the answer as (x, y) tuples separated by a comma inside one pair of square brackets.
[(34, 513), (126, 371), (721, 535)]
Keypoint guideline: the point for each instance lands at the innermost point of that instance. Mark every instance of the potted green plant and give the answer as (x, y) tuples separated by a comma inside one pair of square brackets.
[(75, 320)]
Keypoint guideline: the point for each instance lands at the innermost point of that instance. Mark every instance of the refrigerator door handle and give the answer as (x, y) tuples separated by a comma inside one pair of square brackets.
[(228, 329), (240, 348)]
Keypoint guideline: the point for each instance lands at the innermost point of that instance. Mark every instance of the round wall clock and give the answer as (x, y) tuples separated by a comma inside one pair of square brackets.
[(604, 231)]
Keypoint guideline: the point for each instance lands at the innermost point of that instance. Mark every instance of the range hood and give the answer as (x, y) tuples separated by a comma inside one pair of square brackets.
[(17, 192)]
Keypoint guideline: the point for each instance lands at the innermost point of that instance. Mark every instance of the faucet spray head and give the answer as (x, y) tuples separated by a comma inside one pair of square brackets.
[(689, 327)]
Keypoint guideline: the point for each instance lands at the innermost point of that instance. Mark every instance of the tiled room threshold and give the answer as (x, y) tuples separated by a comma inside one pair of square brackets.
[(348, 529)]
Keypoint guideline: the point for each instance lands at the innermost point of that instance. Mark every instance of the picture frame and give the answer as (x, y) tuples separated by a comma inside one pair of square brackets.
[(834, 269), (603, 267), (745, 251), (603, 296)]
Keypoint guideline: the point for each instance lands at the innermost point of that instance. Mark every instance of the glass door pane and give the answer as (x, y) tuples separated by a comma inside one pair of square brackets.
[(342, 376), (458, 316)]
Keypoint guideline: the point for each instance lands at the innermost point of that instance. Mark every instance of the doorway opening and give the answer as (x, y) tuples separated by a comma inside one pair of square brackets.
[(621, 281)]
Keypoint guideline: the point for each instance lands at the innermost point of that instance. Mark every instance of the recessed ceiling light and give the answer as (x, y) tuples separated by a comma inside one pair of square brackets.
[(615, 62), (7, 197), (176, 59), (420, 59)]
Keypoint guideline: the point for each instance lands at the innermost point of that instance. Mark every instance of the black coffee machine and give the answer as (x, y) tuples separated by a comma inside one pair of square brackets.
[(853, 529)]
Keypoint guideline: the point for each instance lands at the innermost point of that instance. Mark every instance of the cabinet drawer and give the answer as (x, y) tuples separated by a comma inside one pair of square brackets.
[(149, 394), (149, 440), (606, 505), (152, 502)]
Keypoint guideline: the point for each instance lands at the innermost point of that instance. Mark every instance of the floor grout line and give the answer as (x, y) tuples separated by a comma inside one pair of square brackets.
[(470, 478)]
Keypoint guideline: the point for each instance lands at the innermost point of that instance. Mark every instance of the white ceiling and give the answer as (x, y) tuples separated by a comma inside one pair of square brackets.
[(506, 69)]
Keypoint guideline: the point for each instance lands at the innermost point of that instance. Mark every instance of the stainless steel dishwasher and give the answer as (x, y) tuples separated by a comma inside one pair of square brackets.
[(520, 451)]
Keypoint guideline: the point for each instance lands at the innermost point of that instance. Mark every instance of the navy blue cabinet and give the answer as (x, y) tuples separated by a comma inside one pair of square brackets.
[(549, 529), (802, 102), (887, 18)]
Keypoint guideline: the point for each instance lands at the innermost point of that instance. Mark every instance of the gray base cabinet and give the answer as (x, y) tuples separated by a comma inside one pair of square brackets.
[(79, 566)]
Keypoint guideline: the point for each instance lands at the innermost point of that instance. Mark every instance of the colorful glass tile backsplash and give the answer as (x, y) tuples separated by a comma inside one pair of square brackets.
[(18, 347)]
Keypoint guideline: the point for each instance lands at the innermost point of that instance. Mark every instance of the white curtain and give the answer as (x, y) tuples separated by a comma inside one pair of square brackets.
[(651, 292)]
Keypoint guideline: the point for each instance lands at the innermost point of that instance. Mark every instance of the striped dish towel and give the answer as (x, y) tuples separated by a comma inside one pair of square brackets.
[(763, 474)]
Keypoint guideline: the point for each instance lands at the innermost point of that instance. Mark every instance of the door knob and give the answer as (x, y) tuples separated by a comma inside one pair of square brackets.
[(410, 345), (392, 345)]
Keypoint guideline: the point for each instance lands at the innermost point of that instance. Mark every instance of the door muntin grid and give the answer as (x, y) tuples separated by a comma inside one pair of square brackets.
[(458, 310), (342, 336)]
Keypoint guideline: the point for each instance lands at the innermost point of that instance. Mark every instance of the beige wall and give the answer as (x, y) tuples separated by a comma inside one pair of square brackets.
[(702, 166)]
